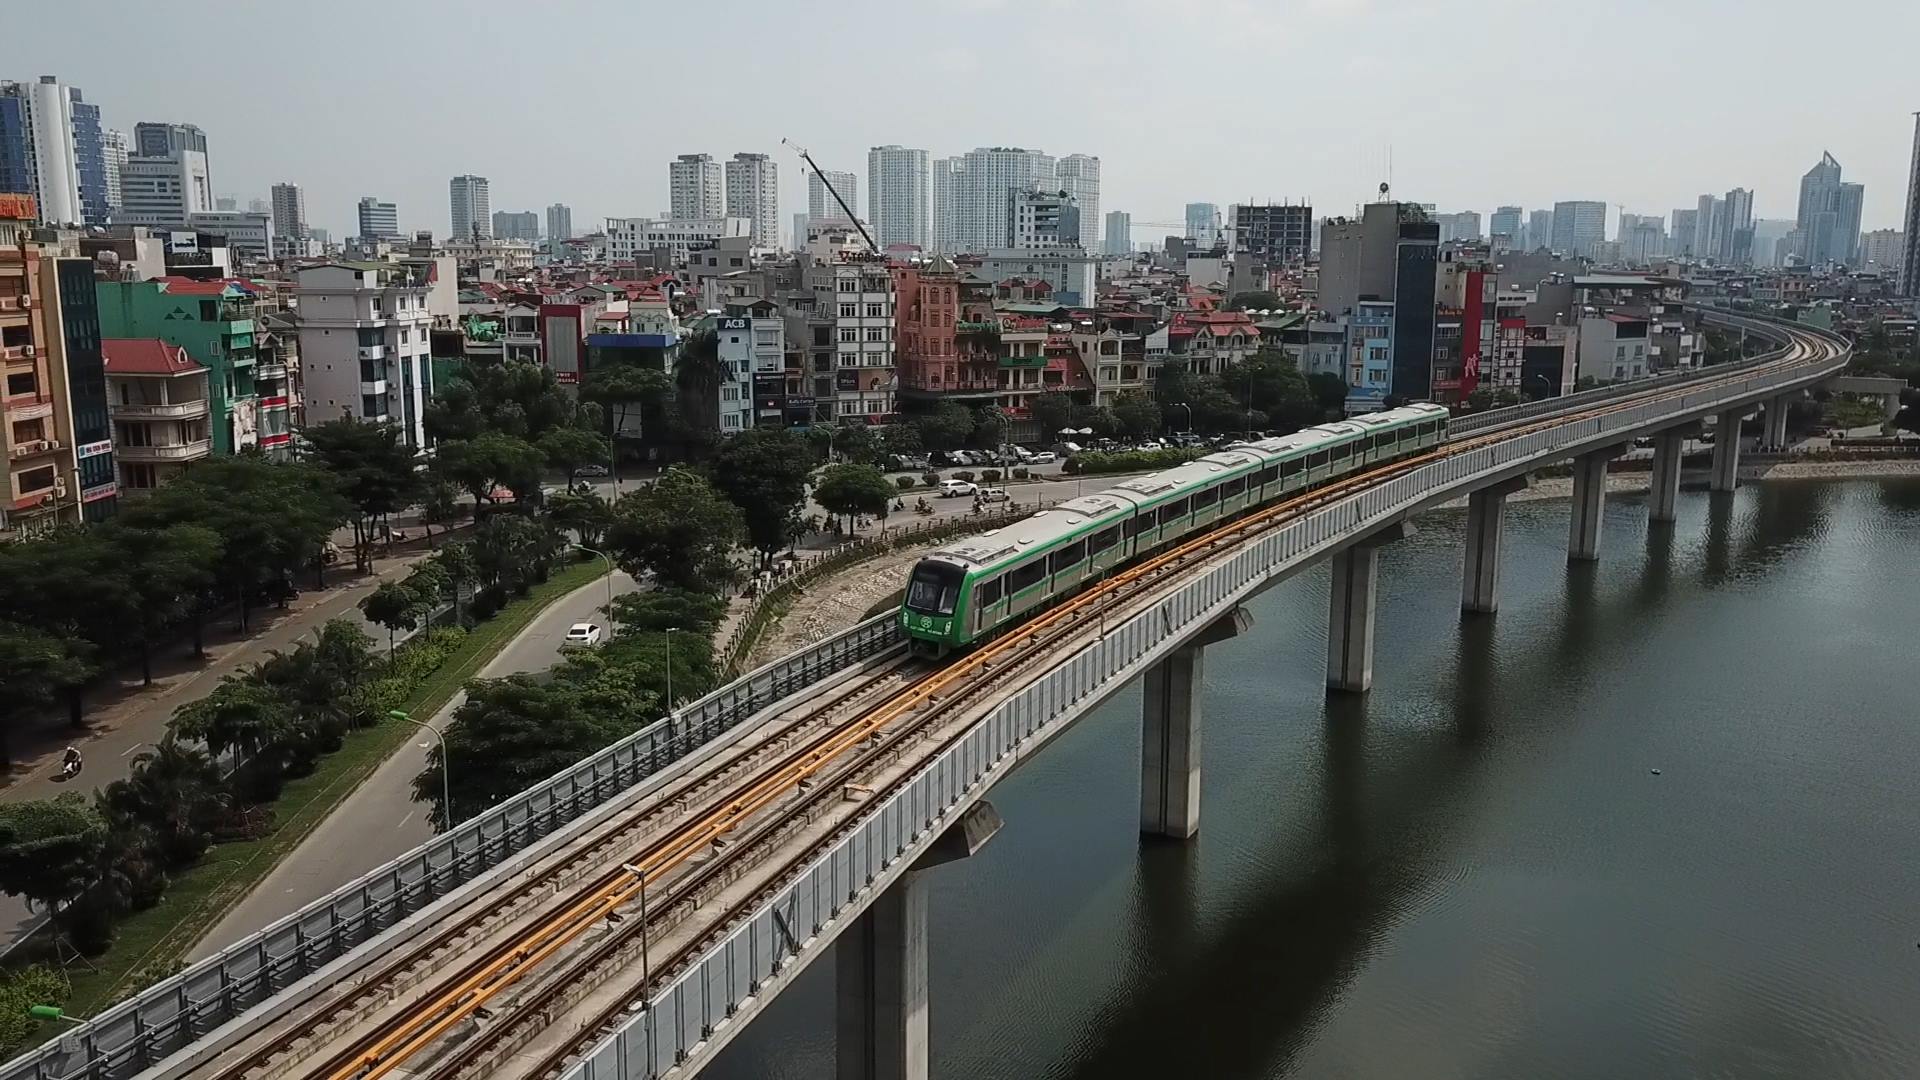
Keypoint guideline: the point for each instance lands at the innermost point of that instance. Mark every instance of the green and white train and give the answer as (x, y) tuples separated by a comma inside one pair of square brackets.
[(972, 590)]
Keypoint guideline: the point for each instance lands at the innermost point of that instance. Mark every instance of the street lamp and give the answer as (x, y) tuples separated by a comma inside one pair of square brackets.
[(669, 649), (1189, 408), (1544, 381), (446, 764), (609, 561)]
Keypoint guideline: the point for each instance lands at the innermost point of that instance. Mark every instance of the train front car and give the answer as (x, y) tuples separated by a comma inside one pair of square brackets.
[(930, 612)]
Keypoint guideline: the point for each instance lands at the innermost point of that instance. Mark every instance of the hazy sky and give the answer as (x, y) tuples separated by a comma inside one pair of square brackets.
[(1475, 102)]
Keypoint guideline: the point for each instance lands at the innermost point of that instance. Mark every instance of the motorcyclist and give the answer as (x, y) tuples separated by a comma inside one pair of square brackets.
[(70, 763)]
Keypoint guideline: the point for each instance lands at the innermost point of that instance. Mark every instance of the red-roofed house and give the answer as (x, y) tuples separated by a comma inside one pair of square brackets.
[(157, 399)]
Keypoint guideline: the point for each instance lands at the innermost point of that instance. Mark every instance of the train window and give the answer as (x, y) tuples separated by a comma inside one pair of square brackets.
[(1234, 487), (1270, 474), (934, 588), (987, 593), (1138, 524), (1204, 499), (1173, 511), (1340, 452), (1292, 468), (1026, 575), (1316, 459), (1075, 552), (1103, 540)]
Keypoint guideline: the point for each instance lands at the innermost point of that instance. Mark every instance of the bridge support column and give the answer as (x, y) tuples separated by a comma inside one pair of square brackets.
[(1669, 447), (881, 966), (1775, 437), (1170, 733), (1350, 611), (1726, 450), (1589, 503), (1486, 514)]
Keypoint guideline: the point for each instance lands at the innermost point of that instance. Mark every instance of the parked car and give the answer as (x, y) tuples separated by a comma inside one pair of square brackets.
[(993, 495), (954, 489), (1044, 457), (590, 470), (582, 635)]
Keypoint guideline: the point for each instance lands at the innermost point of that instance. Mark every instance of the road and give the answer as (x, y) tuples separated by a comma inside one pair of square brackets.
[(380, 821)]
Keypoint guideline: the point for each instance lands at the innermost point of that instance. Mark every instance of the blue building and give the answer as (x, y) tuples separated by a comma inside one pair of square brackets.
[(52, 147), (1369, 371)]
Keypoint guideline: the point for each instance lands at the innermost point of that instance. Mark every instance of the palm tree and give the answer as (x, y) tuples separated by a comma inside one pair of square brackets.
[(174, 792)]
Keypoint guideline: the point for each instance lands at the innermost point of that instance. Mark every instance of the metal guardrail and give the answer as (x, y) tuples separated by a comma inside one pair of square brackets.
[(1496, 418), (705, 1003), (137, 1033)]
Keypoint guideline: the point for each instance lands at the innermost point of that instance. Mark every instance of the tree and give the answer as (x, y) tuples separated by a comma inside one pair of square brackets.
[(1101, 421), (177, 792), (854, 489), (1261, 300), (73, 584), (50, 849), (764, 473), (457, 564), (1136, 414), (440, 505), (488, 461), (393, 606), (508, 735), (657, 610), (682, 530), (375, 470), (587, 514), (241, 715), (34, 667), (1329, 391), (947, 427), (902, 440), (569, 448), (989, 429), (634, 398), (168, 570), (514, 551), (1053, 411), (513, 398), (1270, 383)]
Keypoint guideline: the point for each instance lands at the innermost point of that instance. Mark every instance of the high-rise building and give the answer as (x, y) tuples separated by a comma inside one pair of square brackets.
[(377, 367), (696, 189), (472, 207), (1539, 230), (52, 147), (1686, 224), (799, 231), (899, 208), (1079, 176), (1881, 250), (1642, 238), (974, 212), (516, 225), (114, 145), (1579, 227), (821, 205), (559, 225), (378, 220), (1506, 221), (1463, 226), (289, 213), (753, 192), (1119, 233), (1274, 234), (1043, 219), (1767, 234), (226, 202), (1203, 224), (1829, 217), (37, 464), (167, 178), (1733, 233), (1910, 261)]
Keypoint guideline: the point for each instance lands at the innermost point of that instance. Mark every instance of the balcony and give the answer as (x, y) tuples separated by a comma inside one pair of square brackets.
[(186, 451), (373, 352), (28, 407), (172, 410), (33, 448), (269, 372), (373, 388)]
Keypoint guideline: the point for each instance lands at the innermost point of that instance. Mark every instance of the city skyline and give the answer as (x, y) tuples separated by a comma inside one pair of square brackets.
[(1335, 159)]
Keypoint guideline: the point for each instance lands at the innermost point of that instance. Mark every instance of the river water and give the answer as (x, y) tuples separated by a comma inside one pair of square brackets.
[(1475, 871)]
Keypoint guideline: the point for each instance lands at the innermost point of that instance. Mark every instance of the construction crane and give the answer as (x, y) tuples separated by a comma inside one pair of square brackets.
[(825, 183)]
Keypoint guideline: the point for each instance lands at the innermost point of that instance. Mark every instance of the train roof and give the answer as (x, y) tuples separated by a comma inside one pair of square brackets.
[(1032, 533)]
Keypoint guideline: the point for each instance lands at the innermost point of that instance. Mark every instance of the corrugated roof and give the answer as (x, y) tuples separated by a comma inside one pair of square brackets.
[(146, 356)]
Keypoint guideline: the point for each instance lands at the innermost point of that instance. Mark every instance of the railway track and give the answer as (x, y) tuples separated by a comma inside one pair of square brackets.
[(538, 961)]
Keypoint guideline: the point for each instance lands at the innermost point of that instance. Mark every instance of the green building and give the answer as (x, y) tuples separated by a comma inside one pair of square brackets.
[(214, 322)]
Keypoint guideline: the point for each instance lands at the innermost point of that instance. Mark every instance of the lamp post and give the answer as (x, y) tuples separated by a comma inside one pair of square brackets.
[(669, 650), (1544, 381), (609, 561), (1189, 409), (446, 765)]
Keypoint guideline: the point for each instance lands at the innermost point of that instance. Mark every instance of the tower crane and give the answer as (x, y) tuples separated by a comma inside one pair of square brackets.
[(828, 184)]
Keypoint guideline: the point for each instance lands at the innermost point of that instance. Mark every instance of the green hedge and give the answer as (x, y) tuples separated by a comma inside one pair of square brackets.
[(1095, 462)]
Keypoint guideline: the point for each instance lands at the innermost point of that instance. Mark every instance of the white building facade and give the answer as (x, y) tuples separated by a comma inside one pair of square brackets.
[(972, 201), (363, 343), (629, 237), (1079, 176), (696, 188), (753, 192), (167, 179), (250, 236), (821, 205), (472, 207), (899, 196), (289, 213), (378, 220), (559, 225)]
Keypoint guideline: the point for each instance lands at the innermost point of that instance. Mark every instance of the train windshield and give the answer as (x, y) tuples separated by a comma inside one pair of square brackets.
[(934, 588)]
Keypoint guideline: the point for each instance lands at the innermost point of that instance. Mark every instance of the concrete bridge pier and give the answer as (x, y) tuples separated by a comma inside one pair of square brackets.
[(1486, 515), (1775, 436), (1170, 733), (880, 976), (1726, 450), (1669, 447), (1589, 502), (1350, 604)]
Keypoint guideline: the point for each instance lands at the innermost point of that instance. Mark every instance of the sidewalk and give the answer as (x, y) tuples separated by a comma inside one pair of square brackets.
[(124, 717)]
